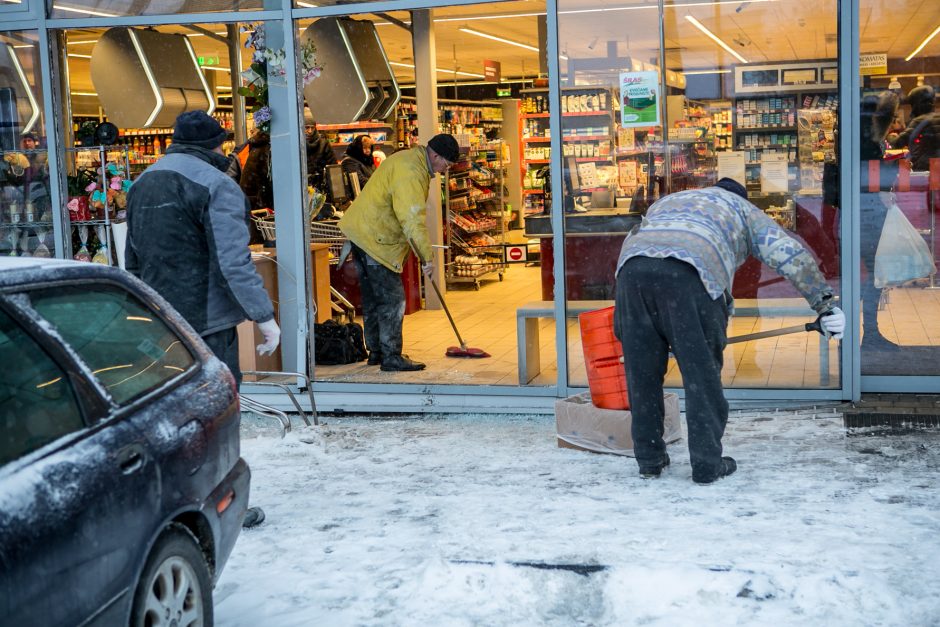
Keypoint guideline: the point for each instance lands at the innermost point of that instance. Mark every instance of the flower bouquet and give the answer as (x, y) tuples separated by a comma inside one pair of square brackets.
[(78, 185)]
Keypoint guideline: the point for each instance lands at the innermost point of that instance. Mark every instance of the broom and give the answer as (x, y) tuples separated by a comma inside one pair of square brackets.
[(452, 351)]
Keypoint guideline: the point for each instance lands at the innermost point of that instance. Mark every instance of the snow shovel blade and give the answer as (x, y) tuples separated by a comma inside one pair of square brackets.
[(800, 328)]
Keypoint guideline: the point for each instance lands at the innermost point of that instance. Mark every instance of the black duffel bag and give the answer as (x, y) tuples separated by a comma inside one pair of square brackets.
[(337, 344)]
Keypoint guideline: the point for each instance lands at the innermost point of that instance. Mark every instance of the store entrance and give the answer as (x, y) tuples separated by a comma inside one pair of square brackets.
[(486, 57)]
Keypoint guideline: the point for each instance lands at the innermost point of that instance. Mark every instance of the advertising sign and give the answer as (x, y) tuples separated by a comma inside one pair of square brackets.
[(639, 99)]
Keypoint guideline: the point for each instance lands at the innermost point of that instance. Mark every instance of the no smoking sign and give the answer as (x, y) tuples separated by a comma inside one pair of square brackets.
[(516, 254)]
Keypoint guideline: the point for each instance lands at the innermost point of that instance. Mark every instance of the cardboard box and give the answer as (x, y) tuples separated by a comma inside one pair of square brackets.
[(580, 425)]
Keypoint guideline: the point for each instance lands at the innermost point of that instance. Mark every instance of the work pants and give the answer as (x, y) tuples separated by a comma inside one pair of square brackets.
[(383, 304), (661, 304)]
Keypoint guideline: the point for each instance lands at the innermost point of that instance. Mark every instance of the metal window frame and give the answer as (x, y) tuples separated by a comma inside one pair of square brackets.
[(288, 170)]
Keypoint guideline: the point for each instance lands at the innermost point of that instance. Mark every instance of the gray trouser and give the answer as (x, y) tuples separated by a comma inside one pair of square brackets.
[(662, 304), (383, 304)]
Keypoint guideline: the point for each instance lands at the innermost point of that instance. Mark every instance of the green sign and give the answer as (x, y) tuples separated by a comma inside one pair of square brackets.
[(639, 99), (503, 93), (209, 60)]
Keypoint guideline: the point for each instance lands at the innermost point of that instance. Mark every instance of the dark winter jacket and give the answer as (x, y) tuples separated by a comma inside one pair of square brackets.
[(188, 239), (319, 155), (255, 179), (364, 171), (924, 142)]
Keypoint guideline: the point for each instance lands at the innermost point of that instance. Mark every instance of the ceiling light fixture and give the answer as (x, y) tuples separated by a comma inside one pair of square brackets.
[(308, 5), (215, 68), (29, 92), (471, 31), (471, 18), (922, 44), (59, 7), (443, 70), (714, 38), (82, 41), (83, 93), (79, 56)]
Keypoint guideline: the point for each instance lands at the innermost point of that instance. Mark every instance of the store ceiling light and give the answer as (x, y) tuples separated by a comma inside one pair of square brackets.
[(80, 56), (33, 105), (83, 93), (81, 41), (215, 68), (471, 31), (84, 11), (443, 70), (922, 44), (714, 38), (307, 5), (695, 72)]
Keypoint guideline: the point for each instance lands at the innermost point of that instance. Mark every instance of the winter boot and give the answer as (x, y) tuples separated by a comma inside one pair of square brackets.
[(375, 358), (254, 516), (727, 467), (397, 363), (651, 472)]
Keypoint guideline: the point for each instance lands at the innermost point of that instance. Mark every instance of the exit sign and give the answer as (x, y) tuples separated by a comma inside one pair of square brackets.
[(208, 61), (503, 92)]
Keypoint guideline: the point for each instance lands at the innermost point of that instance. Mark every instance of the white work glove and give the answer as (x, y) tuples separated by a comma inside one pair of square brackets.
[(833, 323), (427, 268), (272, 336)]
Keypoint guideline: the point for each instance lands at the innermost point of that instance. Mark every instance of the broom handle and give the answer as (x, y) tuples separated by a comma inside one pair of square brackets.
[(440, 297)]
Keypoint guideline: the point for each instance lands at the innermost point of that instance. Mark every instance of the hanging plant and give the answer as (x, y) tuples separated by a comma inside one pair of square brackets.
[(267, 67)]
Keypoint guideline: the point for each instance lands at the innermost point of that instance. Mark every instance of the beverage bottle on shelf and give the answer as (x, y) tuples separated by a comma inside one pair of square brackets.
[(156, 145)]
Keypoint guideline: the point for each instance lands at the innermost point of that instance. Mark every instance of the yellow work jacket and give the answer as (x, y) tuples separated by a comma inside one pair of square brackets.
[(392, 209)]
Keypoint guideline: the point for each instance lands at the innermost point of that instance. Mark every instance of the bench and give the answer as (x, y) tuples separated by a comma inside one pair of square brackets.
[(527, 330), (527, 326)]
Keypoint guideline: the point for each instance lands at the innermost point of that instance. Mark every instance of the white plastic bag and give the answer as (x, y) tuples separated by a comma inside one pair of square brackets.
[(902, 253)]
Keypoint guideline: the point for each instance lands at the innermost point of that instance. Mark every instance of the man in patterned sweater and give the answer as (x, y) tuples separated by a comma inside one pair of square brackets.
[(674, 292)]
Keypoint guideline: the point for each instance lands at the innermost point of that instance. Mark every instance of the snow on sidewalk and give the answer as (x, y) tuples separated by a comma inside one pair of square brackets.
[(482, 520)]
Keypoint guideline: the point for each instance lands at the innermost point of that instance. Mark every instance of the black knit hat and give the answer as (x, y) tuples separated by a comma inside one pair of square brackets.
[(446, 146), (731, 185), (197, 128)]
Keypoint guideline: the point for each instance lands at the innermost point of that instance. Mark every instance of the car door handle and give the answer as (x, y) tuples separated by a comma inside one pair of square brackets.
[(131, 458)]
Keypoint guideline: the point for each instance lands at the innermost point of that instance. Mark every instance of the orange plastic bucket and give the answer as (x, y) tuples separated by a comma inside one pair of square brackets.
[(602, 358)]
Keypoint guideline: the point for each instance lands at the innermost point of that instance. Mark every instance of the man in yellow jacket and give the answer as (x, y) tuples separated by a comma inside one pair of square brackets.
[(390, 211)]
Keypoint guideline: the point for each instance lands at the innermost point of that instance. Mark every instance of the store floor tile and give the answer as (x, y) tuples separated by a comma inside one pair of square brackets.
[(486, 319)]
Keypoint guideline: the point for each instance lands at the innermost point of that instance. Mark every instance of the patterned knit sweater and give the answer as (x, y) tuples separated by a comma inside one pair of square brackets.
[(714, 231)]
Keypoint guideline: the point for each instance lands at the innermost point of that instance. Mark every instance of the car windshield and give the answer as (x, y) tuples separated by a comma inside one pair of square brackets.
[(129, 349)]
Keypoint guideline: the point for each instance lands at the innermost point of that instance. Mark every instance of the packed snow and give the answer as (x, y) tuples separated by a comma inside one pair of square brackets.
[(483, 520)]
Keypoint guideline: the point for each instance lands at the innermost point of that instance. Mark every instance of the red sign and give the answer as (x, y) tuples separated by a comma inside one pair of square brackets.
[(516, 254), (491, 70)]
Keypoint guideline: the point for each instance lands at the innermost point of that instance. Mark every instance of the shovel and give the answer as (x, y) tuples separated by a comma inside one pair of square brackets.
[(452, 351), (799, 328)]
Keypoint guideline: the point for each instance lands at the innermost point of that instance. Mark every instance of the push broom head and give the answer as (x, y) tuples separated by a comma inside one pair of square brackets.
[(465, 351)]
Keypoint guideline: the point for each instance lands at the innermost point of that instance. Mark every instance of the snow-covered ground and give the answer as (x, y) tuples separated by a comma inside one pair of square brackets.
[(482, 520)]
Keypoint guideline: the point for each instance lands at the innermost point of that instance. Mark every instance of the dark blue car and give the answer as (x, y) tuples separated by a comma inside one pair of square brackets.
[(122, 489)]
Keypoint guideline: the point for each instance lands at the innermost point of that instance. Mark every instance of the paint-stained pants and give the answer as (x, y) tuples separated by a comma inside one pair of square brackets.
[(661, 303), (383, 304)]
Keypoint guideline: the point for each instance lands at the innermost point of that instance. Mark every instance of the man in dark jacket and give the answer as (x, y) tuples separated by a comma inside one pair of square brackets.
[(319, 155), (188, 239)]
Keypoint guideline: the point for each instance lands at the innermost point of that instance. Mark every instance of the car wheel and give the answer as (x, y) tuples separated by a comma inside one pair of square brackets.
[(175, 588)]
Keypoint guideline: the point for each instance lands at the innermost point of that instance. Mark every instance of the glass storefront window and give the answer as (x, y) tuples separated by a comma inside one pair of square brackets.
[(25, 202), (723, 98), (900, 190), (78, 9)]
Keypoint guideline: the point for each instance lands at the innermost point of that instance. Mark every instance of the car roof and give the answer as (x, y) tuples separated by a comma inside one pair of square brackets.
[(17, 272)]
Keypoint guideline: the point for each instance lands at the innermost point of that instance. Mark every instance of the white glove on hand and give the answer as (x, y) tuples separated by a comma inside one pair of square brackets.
[(833, 323), (272, 336), (427, 268)]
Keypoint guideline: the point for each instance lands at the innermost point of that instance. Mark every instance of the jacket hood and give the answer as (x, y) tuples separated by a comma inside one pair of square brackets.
[(220, 162)]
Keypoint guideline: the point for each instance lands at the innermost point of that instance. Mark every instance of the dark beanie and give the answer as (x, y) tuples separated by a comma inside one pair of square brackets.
[(197, 128), (446, 146), (731, 185)]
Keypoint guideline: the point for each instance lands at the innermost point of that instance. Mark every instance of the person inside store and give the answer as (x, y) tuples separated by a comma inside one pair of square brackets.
[(252, 164), (36, 176), (358, 159), (319, 155), (673, 294), (382, 224), (188, 239), (924, 126), (877, 113)]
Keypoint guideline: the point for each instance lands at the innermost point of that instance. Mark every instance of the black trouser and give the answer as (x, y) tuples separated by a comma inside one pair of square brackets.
[(661, 303), (383, 304), (224, 344)]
